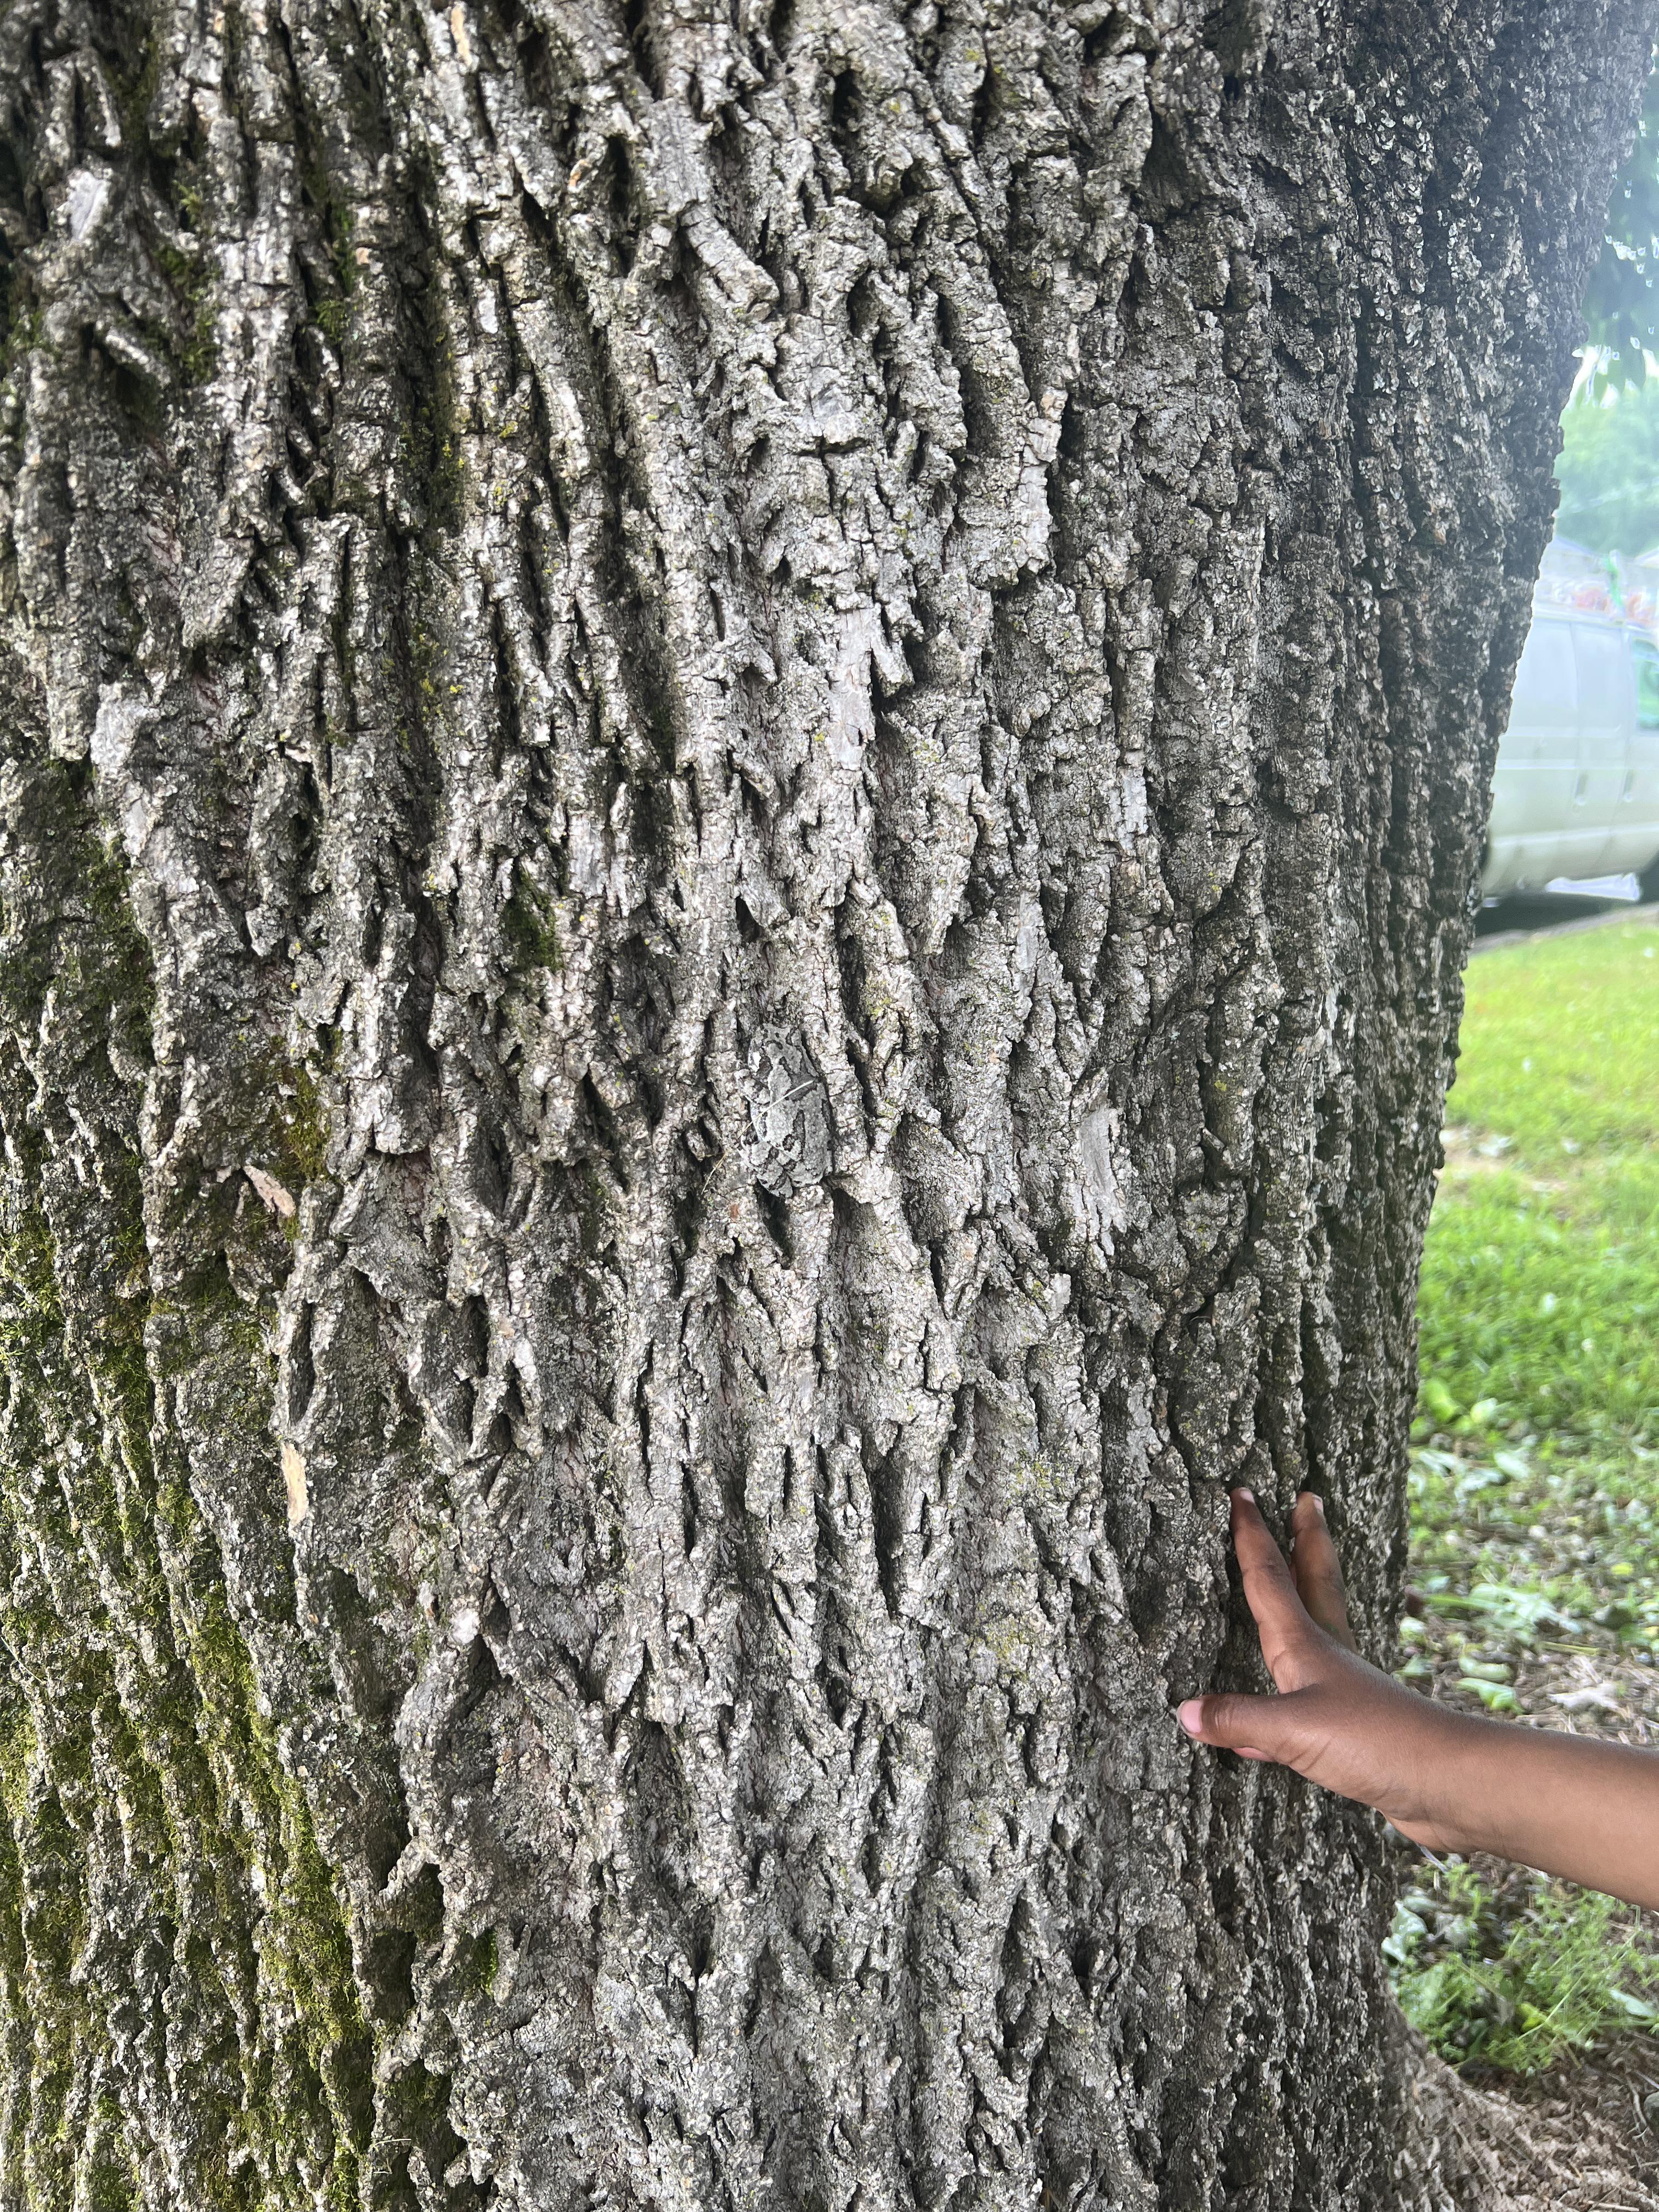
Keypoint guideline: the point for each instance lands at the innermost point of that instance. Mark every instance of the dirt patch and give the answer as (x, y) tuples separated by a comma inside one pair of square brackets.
[(1488, 2151)]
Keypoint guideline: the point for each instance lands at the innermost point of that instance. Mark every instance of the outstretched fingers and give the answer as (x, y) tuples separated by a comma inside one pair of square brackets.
[(1269, 1589), (1318, 1571)]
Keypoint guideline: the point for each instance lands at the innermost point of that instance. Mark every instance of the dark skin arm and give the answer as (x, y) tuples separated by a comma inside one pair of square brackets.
[(1585, 1810)]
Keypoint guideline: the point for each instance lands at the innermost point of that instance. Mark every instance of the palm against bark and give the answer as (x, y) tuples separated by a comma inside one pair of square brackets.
[(1587, 1810), (1336, 1720)]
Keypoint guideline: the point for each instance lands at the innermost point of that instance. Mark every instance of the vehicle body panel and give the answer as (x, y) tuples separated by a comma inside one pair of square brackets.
[(1636, 830), (1576, 791)]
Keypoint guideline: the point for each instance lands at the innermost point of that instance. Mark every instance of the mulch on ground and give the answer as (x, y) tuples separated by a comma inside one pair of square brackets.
[(1590, 2122)]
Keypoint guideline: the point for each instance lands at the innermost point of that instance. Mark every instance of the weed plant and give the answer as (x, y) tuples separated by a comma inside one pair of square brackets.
[(1516, 1994)]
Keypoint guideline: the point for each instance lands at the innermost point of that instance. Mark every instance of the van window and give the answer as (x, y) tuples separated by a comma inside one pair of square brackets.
[(1604, 683), (1544, 686), (1646, 658)]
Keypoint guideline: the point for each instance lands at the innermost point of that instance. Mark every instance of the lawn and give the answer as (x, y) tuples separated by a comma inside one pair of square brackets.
[(1540, 1352), (1535, 1481)]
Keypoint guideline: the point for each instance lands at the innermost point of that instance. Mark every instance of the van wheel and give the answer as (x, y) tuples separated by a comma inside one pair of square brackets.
[(1649, 882)]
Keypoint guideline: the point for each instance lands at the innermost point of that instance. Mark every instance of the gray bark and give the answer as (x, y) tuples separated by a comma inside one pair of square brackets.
[(743, 747)]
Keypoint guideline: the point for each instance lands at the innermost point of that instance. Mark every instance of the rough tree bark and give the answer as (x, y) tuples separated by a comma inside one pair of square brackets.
[(743, 744)]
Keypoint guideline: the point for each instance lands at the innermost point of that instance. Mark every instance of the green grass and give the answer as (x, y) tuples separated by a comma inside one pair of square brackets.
[(1540, 1278), (1539, 1300), (1534, 1485)]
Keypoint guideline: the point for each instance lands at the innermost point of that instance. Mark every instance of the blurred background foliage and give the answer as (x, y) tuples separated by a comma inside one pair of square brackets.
[(1608, 469), (1534, 1488), (1621, 309)]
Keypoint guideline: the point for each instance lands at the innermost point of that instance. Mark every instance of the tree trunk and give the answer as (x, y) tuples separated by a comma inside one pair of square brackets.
[(744, 744)]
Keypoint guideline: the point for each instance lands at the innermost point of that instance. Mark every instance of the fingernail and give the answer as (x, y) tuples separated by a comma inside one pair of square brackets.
[(1249, 1496), (1312, 1498), (1191, 1715)]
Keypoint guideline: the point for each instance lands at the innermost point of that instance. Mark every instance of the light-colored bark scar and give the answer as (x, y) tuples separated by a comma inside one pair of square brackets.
[(274, 1194), (1099, 1179), (789, 1113), (294, 1481)]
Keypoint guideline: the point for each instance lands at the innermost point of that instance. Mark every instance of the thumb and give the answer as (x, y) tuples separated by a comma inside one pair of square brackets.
[(1256, 1728)]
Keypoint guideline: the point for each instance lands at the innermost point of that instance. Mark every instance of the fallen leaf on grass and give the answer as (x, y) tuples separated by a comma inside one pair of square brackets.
[(1576, 1701)]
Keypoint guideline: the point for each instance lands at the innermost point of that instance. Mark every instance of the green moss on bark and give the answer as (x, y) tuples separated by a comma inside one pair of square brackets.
[(132, 1718)]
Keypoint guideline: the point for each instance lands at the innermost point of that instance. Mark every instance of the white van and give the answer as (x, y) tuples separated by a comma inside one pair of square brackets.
[(1575, 794)]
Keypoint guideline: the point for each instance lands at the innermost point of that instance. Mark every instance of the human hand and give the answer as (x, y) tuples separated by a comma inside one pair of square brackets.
[(1341, 1722)]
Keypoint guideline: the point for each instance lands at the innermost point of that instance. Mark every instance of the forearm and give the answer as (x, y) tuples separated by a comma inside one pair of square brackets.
[(1565, 1804)]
